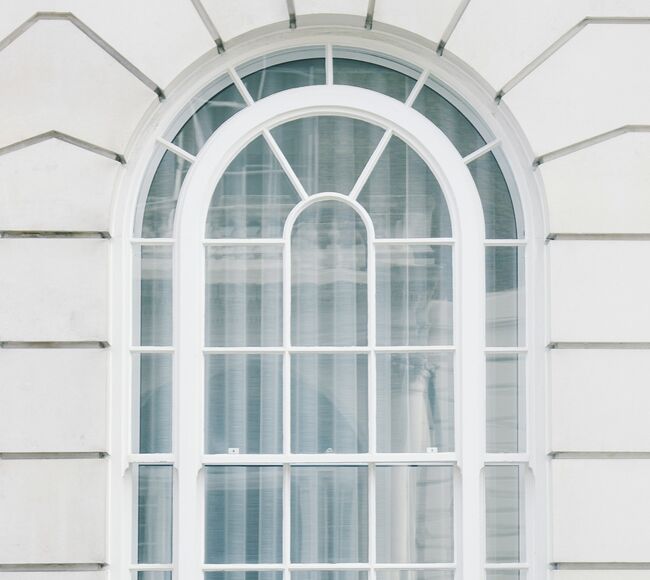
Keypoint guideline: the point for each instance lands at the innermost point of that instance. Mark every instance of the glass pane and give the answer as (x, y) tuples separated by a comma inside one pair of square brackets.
[(253, 198), (243, 403), (243, 515), (504, 309), (154, 575), (329, 403), (415, 514), (154, 375), (505, 575), (415, 575), (155, 514), (286, 75), (500, 222), (449, 120), (327, 153), (330, 575), (243, 296), (160, 203), (208, 117), (372, 76), (403, 197), (329, 293), (243, 575), (505, 411), (329, 514), (414, 295), (502, 504), (153, 267), (415, 402)]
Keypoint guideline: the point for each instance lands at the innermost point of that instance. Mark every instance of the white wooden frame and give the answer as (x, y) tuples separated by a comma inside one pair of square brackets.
[(454, 178)]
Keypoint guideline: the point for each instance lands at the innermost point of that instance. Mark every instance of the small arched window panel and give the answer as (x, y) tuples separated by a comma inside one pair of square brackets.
[(317, 392)]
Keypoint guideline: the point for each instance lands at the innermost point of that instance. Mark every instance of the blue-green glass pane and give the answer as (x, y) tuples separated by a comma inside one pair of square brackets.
[(160, 204), (329, 575), (414, 295), (155, 380), (287, 75), (502, 518), (243, 403), (243, 298), (243, 575), (155, 510), (153, 267), (505, 415), (243, 514), (403, 197), (253, 197), (415, 402), (329, 292), (499, 213), (504, 309), (329, 514), (327, 153), (449, 120), (372, 76), (329, 403), (415, 514), (208, 118)]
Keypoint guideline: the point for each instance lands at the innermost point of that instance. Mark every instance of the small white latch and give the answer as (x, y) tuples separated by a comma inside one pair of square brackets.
[(329, 450), (432, 450), (233, 450)]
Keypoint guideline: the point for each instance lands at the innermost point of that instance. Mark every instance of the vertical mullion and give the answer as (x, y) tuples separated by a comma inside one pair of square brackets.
[(372, 407), (286, 405)]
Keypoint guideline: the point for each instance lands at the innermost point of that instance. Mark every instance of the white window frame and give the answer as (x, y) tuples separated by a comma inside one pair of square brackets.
[(469, 313)]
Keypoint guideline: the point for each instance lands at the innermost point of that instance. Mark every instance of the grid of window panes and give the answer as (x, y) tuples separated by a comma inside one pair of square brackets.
[(329, 352), (329, 357)]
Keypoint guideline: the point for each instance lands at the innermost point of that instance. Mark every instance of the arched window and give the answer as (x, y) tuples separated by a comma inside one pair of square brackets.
[(329, 346)]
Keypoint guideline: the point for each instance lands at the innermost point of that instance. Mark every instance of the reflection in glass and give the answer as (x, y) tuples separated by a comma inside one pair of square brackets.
[(327, 153), (505, 575), (286, 75), (155, 514), (329, 277), (373, 77), (500, 222), (415, 575), (253, 197), (504, 313), (160, 204), (415, 402), (155, 380), (505, 417), (329, 514), (243, 403), (243, 514), (449, 120), (209, 116), (153, 265), (154, 575), (329, 575), (502, 505), (243, 298), (403, 197), (329, 403), (415, 513), (243, 575), (414, 295)]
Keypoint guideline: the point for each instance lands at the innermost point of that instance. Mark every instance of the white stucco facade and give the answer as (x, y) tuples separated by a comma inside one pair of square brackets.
[(65, 211)]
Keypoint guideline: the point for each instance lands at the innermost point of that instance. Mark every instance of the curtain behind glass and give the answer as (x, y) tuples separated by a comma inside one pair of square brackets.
[(329, 294), (327, 153), (253, 197), (403, 197)]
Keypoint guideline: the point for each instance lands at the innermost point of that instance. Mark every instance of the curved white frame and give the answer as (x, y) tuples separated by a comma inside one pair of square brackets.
[(514, 147), (462, 199)]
